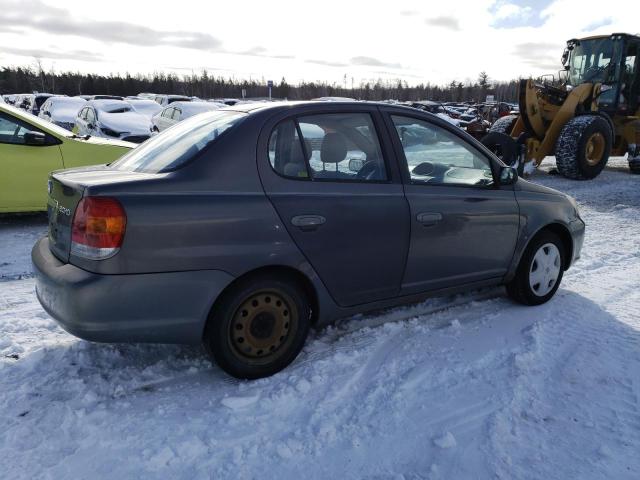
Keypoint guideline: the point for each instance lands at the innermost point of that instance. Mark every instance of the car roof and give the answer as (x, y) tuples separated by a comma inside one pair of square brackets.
[(263, 106)]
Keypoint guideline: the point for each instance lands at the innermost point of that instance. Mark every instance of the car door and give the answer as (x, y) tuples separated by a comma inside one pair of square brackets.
[(80, 122), (330, 178), (163, 120), (24, 168), (464, 226), (91, 123), (177, 115)]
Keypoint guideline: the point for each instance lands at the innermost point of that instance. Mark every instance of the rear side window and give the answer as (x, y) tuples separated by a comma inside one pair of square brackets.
[(285, 151), (328, 147), (176, 146)]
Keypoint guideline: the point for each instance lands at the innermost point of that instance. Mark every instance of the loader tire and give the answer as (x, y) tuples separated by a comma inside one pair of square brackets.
[(583, 147), (634, 165), (504, 124)]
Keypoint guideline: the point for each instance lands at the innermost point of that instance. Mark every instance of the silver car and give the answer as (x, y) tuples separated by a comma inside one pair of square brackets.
[(62, 110), (178, 111), (115, 119)]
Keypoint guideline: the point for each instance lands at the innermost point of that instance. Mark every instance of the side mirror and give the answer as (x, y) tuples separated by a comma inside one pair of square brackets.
[(565, 56), (508, 175), (34, 138)]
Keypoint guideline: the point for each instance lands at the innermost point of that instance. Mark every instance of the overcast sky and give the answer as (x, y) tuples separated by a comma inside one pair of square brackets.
[(417, 41)]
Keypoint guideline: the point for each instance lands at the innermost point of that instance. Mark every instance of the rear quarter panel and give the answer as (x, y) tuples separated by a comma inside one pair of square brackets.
[(211, 214)]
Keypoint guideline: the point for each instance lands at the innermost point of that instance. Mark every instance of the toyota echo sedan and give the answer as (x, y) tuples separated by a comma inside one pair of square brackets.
[(243, 227)]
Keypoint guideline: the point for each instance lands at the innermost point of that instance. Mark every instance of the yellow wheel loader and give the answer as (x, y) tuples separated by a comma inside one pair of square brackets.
[(594, 112)]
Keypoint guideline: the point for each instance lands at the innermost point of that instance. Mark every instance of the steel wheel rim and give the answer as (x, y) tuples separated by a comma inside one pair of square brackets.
[(594, 150), (545, 269), (262, 325)]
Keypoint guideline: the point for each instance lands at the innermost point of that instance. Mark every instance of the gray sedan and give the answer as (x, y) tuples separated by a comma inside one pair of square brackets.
[(242, 228)]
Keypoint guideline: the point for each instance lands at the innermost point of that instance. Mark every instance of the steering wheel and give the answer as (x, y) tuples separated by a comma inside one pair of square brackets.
[(369, 171)]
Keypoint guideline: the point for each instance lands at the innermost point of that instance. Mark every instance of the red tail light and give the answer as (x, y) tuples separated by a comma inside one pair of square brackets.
[(98, 228)]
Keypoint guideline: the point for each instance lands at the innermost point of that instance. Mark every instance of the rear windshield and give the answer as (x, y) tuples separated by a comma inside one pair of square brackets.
[(178, 144)]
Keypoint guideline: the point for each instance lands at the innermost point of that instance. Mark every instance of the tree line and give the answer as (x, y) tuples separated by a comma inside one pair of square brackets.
[(34, 78)]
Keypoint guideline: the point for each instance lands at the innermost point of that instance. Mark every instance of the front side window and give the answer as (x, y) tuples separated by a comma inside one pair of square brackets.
[(13, 130), (436, 156), (333, 147), (179, 144)]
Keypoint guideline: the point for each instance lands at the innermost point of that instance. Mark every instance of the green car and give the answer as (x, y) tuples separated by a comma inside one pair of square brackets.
[(30, 148)]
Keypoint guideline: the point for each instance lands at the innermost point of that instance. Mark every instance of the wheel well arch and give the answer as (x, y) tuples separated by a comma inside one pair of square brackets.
[(565, 236), (282, 271)]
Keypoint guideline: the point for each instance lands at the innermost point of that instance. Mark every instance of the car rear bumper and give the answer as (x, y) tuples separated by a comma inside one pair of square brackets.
[(155, 307)]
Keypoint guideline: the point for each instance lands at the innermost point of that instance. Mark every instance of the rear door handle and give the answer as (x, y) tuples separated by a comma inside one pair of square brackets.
[(308, 223), (428, 219)]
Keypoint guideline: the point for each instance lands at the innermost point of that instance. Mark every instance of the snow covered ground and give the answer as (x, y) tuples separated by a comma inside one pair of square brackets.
[(470, 387)]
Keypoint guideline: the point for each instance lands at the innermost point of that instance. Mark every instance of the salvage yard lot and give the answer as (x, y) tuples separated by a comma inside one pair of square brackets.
[(472, 386)]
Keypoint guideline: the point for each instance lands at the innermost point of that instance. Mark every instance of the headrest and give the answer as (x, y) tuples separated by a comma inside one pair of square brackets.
[(334, 148)]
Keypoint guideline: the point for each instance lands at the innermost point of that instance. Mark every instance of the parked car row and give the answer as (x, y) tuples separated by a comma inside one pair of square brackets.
[(132, 118)]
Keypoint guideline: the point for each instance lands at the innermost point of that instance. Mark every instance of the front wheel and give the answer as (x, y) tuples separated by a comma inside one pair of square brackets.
[(259, 327), (540, 271), (583, 147)]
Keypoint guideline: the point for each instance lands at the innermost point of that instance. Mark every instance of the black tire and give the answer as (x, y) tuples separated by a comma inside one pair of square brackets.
[(519, 288), (504, 124), (275, 334), (634, 165), (572, 154)]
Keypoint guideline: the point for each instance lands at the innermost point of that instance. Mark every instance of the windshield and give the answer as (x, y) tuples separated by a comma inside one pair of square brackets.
[(179, 144), (594, 61)]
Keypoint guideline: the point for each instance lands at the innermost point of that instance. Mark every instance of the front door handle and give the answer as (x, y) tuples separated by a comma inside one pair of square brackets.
[(428, 219), (308, 223)]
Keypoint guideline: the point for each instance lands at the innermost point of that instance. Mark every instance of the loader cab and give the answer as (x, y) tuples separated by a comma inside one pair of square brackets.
[(611, 61)]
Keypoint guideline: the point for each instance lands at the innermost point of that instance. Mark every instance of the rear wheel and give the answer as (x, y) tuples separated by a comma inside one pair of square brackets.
[(540, 270), (583, 147), (259, 327), (634, 165)]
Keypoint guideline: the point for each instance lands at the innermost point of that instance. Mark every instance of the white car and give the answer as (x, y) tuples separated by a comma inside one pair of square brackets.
[(178, 111), (144, 106), (115, 119), (62, 110)]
